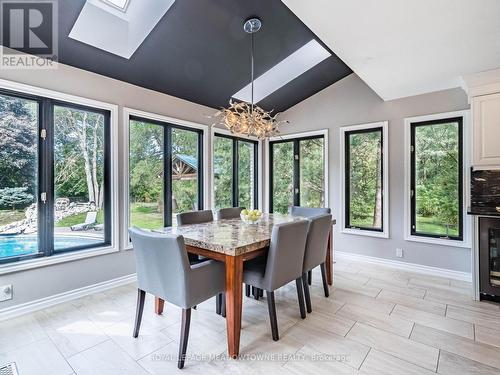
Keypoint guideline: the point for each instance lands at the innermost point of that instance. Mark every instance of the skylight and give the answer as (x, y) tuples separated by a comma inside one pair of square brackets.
[(299, 62), (121, 30), (119, 4)]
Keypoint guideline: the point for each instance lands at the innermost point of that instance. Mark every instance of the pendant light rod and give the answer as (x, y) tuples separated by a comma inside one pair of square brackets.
[(252, 57), (248, 119), (251, 26)]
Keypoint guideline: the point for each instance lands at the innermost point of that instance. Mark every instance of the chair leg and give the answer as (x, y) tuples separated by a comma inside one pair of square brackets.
[(310, 277), (307, 294), (223, 305), (271, 305), (186, 320), (300, 296), (325, 282), (247, 290), (141, 296), (255, 293), (218, 303), (261, 293)]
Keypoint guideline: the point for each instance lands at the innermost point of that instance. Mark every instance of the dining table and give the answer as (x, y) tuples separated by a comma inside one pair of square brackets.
[(233, 242)]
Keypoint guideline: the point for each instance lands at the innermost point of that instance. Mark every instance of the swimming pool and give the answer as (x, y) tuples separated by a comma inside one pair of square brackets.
[(18, 245)]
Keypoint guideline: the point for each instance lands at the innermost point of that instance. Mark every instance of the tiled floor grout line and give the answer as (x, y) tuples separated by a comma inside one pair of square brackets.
[(412, 328), (364, 359), (59, 351), (393, 307), (324, 309)]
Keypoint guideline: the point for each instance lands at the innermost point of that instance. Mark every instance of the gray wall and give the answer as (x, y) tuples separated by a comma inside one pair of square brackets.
[(46, 281), (349, 102)]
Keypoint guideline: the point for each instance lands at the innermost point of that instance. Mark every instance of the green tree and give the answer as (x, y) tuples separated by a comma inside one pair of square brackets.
[(12, 197), (18, 140)]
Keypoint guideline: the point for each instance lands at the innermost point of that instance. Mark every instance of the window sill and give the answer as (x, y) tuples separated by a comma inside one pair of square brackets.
[(367, 233), (55, 259), (438, 241)]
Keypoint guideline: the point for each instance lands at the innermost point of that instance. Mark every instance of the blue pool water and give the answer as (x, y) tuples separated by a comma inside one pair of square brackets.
[(17, 245)]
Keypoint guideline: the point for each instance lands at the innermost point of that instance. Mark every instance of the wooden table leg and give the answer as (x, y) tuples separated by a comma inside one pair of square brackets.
[(329, 259), (159, 305), (234, 281)]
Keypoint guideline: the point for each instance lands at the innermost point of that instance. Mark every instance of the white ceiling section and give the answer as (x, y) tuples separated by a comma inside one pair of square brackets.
[(402, 48), (299, 62), (104, 26)]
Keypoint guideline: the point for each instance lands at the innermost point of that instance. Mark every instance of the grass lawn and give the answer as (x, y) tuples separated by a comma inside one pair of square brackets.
[(362, 222), (145, 216), (430, 226), (424, 225), (9, 216), (68, 221), (142, 215)]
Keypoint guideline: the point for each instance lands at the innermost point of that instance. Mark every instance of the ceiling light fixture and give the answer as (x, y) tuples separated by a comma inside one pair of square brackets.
[(248, 119)]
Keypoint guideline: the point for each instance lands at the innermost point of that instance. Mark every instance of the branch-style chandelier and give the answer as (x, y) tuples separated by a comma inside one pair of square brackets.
[(248, 119)]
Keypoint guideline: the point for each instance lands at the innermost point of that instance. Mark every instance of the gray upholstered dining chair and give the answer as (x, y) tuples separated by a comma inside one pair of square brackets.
[(229, 213), (284, 263), (308, 212), (200, 217), (315, 254), (163, 269), (195, 217)]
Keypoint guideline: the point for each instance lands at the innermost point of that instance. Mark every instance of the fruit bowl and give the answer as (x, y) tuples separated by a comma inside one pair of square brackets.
[(250, 216)]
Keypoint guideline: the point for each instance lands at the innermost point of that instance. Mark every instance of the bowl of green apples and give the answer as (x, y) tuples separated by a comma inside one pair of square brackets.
[(250, 216)]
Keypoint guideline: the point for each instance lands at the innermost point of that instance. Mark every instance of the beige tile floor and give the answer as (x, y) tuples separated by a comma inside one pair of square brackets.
[(378, 320)]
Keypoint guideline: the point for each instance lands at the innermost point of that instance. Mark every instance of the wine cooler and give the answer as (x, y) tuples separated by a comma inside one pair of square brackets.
[(489, 258)]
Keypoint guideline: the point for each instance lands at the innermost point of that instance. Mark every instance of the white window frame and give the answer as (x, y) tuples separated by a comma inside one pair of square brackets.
[(385, 192), (216, 131), (115, 224), (130, 112), (466, 147), (326, 156)]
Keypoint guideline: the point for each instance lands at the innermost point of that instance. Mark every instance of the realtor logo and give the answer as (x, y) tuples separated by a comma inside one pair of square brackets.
[(28, 34)]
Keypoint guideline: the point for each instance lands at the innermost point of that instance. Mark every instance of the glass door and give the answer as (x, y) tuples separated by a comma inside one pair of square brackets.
[(297, 173), (165, 172), (489, 257), (494, 244), (19, 211)]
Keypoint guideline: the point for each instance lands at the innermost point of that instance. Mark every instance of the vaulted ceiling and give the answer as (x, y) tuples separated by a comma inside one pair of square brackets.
[(198, 51), (410, 47)]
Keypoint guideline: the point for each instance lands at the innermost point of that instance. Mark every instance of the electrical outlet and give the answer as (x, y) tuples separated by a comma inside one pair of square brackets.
[(399, 253), (5, 292)]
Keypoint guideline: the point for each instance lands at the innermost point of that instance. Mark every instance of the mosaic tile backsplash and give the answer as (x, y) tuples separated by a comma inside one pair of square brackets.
[(485, 191)]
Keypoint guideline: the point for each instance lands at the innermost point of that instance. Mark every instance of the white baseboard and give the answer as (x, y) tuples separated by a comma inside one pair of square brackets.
[(412, 267), (42, 303)]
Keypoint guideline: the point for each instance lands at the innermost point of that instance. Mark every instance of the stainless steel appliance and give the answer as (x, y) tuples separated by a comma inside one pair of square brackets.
[(489, 258)]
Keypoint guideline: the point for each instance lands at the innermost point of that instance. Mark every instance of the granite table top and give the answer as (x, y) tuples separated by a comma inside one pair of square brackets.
[(231, 236)]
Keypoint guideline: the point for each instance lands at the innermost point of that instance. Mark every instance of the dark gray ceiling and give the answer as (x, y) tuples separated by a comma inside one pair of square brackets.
[(199, 52)]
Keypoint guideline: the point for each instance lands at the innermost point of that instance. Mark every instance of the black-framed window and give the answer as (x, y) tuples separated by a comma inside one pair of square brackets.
[(364, 179), (55, 177), (436, 189), (297, 173), (165, 172), (235, 166)]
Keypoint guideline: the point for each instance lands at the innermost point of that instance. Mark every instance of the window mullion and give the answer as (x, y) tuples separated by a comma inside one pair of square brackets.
[(167, 176), (46, 170), (255, 176), (296, 172), (235, 184), (412, 181), (200, 172)]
